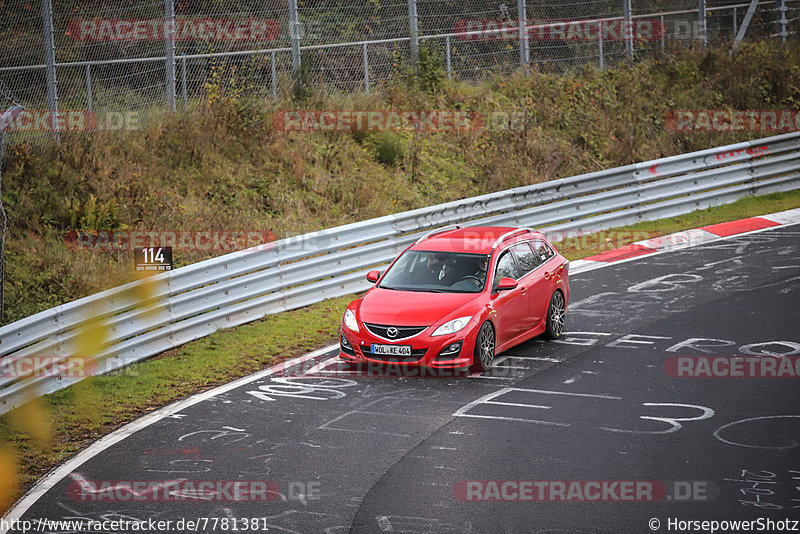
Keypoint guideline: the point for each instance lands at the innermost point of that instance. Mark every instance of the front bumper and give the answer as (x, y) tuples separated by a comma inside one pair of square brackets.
[(426, 351)]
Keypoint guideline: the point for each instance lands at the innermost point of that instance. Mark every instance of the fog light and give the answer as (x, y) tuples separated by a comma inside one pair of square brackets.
[(347, 348), (451, 350)]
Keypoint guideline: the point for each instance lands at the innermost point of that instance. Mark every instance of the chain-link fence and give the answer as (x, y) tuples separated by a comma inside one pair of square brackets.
[(105, 60)]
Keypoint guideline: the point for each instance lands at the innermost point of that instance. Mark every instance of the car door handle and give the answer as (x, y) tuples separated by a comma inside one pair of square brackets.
[(523, 290), (547, 275)]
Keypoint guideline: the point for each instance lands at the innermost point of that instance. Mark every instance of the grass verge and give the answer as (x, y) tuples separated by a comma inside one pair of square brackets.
[(78, 415)]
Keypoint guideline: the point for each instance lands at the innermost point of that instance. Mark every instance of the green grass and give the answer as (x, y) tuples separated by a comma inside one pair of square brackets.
[(81, 414)]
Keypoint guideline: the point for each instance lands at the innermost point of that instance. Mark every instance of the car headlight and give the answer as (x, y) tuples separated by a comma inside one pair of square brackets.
[(350, 320), (451, 327)]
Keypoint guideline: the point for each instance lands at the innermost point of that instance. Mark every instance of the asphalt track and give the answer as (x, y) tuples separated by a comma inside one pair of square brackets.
[(355, 452)]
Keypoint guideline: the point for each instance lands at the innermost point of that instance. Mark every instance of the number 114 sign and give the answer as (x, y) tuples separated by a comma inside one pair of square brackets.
[(153, 259)]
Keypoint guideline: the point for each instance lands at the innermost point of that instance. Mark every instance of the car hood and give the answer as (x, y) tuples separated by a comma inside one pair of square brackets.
[(410, 308)]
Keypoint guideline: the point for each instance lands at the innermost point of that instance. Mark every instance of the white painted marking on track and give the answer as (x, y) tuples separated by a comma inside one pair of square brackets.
[(499, 403), (487, 397), (792, 445), (322, 365), (70, 466), (517, 419), (384, 523)]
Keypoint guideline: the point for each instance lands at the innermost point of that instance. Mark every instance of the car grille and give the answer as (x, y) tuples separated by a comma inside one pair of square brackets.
[(416, 355), (403, 332)]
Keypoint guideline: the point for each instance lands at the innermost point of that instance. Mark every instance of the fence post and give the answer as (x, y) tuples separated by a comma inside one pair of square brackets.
[(169, 42), (366, 68), (183, 84), (735, 20), (600, 44), (751, 10), (89, 87), (663, 34), (447, 54), (274, 72), (294, 35), (413, 28), (702, 23), (784, 21), (522, 19), (628, 29), (50, 64)]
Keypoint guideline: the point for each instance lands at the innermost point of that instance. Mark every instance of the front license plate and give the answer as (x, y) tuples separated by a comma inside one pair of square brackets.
[(392, 350)]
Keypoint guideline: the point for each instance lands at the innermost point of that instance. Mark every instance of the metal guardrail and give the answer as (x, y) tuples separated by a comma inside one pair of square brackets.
[(194, 301)]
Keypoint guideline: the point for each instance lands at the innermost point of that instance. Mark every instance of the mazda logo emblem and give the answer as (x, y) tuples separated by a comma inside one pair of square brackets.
[(391, 332)]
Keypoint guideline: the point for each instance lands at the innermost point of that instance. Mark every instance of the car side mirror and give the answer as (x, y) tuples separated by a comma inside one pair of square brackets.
[(506, 284), (373, 276)]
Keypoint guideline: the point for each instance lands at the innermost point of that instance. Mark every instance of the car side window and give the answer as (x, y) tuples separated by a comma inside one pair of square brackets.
[(542, 250), (506, 268), (527, 260)]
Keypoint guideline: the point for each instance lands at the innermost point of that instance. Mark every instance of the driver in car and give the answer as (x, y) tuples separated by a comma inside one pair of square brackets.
[(483, 267), (436, 267)]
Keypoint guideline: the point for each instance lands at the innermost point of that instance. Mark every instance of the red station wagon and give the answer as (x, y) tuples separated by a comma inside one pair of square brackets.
[(456, 298)]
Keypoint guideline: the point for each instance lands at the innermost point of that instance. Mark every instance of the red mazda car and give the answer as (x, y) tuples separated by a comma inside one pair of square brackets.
[(457, 297)]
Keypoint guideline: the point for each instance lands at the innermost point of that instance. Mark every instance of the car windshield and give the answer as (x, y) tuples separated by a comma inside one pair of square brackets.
[(437, 272)]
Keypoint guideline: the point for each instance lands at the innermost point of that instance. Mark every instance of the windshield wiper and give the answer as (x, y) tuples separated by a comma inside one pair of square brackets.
[(413, 289), (390, 288)]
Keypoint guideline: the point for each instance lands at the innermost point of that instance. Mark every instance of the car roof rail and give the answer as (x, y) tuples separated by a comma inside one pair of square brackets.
[(437, 231), (510, 234)]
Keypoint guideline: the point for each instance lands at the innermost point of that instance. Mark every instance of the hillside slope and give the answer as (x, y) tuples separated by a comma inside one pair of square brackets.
[(224, 166)]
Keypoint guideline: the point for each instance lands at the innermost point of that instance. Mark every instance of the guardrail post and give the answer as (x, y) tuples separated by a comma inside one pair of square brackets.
[(50, 64), (169, 43), (447, 55), (522, 20), (702, 22), (294, 35), (600, 52), (628, 30), (89, 87), (413, 28), (366, 68)]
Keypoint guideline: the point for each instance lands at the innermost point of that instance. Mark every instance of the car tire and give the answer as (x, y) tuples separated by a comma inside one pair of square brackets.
[(483, 356), (556, 315)]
